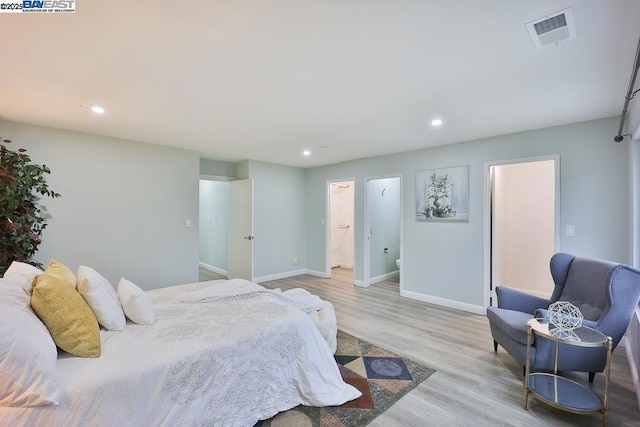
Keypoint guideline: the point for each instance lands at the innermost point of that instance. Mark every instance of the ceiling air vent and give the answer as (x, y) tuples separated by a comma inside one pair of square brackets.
[(552, 29)]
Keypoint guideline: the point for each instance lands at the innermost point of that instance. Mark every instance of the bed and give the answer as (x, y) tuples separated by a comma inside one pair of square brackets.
[(220, 353)]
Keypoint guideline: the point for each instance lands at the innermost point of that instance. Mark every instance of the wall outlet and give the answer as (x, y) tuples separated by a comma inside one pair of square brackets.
[(295, 259)]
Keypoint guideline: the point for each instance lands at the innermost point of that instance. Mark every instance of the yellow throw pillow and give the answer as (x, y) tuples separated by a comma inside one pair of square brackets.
[(73, 326), (60, 270)]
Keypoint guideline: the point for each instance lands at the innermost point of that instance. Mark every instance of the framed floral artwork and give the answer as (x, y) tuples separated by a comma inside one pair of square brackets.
[(443, 194)]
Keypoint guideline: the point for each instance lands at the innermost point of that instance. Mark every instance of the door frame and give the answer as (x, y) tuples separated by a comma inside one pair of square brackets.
[(327, 226), (366, 282), (489, 293)]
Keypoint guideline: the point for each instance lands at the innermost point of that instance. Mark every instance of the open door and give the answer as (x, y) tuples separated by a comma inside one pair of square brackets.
[(240, 237)]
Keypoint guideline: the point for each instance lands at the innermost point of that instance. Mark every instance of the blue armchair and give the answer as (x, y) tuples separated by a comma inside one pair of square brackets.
[(605, 292)]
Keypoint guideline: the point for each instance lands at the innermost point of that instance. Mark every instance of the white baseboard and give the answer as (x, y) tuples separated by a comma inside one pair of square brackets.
[(359, 283), (316, 273), (382, 277), (341, 265), (629, 349), (471, 308), (278, 276), (635, 375), (214, 269)]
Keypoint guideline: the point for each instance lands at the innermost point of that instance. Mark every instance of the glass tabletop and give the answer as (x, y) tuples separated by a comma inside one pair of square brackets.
[(581, 336), (560, 391)]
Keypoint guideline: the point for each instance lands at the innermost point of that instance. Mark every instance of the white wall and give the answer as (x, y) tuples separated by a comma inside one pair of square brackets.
[(633, 334), (214, 208), (341, 222), (593, 197), (123, 208), (525, 225)]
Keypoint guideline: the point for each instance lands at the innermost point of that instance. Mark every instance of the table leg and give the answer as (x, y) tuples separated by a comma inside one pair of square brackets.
[(527, 367)]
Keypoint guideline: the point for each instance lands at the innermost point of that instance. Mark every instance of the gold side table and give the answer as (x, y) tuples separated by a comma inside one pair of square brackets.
[(558, 391)]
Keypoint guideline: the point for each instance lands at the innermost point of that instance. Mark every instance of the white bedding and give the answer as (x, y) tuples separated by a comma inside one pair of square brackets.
[(211, 359)]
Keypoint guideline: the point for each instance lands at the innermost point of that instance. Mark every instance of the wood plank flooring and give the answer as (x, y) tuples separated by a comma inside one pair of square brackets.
[(205, 274), (473, 385)]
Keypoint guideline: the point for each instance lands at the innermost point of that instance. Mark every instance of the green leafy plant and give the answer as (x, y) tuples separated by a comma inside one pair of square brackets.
[(22, 219)]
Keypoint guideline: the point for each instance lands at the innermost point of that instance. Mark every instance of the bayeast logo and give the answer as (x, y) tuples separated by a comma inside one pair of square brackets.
[(48, 5)]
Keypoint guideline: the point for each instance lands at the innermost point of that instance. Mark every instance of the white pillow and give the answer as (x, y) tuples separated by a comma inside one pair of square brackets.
[(99, 293), (28, 372), (22, 269), (136, 303), (16, 290)]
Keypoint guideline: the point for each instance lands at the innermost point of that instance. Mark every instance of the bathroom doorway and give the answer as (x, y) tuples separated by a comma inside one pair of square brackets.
[(214, 203), (340, 230), (383, 226)]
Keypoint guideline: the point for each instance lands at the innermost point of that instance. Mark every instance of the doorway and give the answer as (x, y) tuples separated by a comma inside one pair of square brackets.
[(383, 216), (212, 228), (340, 229), (523, 222)]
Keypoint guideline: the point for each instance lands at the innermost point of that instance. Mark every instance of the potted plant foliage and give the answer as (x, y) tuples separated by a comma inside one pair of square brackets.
[(22, 220)]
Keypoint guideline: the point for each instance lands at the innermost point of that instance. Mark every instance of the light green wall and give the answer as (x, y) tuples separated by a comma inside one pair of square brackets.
[(217, 168), (214, 208), (279, 218), (123, 208), (242, 169), (593, 198)]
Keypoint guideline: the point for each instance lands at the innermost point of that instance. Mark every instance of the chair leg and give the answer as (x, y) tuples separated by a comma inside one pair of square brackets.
[(495, 345), (592, 376), (524, 370)]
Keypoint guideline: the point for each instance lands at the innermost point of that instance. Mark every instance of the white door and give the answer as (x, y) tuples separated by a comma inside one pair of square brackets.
[(240, 238)]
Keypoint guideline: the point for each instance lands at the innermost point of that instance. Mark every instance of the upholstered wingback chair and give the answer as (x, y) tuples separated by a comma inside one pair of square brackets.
[(605, 292)]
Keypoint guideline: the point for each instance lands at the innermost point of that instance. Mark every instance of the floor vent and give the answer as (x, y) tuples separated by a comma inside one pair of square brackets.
[(552, 29)]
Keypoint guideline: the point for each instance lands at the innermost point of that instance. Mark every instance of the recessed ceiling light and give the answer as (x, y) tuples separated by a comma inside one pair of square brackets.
[(306, 152), (97, 109), (436, 122)]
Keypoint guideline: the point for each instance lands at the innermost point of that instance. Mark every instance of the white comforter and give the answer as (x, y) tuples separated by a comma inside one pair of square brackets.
[(217, 356)]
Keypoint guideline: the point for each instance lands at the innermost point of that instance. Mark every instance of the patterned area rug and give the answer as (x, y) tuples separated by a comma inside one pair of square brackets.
[(382, 377)]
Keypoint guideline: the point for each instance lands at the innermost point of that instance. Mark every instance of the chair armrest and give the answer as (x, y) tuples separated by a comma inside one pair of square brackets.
[(512, 299), (543, 313)]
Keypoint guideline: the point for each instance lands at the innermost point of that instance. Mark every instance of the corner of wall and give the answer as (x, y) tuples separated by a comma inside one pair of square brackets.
[(632, 347), (242, 169)]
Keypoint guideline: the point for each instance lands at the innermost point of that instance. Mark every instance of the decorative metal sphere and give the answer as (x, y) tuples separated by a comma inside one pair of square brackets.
[(565, 316)]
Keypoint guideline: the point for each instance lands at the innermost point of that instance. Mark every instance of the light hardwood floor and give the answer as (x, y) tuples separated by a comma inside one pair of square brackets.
[(472, 385), (206, 274)]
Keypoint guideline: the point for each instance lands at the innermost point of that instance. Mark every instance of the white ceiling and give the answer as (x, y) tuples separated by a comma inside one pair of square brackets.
[(265, 80)]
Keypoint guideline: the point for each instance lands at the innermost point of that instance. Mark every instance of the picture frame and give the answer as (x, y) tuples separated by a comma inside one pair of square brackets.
[(443, 194)]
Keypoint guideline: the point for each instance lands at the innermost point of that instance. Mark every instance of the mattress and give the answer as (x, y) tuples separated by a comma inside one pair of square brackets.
[(224, 353)]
